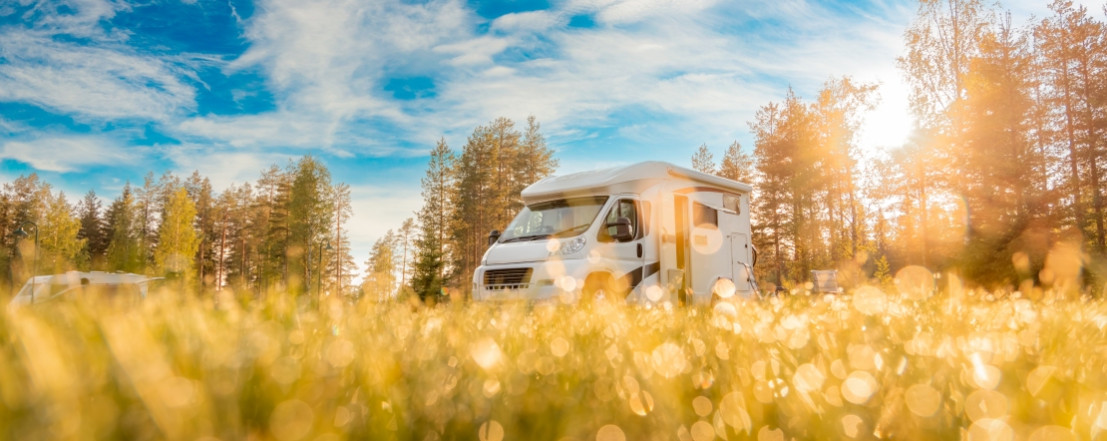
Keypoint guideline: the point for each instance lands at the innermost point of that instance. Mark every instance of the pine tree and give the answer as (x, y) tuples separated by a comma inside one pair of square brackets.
[(434, 223), (703, 161), (203, 199), (380, 275), (61, 248), (405, 236), (271, 227), (124, 253), (427, 280), (340, 267), (535, 160), (1072, 57), (241, 243), (148, 203), (311, 214), (998, 170), (92, 231), (737, 165), (178, 239)]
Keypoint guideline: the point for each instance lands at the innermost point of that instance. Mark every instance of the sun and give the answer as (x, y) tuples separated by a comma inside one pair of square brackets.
[(889, 125)]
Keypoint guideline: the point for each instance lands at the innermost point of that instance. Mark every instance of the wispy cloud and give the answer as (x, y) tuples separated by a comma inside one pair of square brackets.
[(66, 154), (89, 82)]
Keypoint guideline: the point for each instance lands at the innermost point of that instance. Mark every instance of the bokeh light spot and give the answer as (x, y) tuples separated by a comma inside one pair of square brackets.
[(486, 353), (610, 432), (707, 239), (703, 431), (733, 411), (808, 378), (985, 404), (1052, 433), (868, 300), (491, 431), (702, 406), (723, 288), (559, 347), (668, 360), (858, 387), (923, 400), (291, 420), (915, 281), (851, 425), (769, 434), (990, 430)]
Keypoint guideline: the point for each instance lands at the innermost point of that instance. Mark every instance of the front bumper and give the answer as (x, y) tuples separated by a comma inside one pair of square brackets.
[(553, 280)]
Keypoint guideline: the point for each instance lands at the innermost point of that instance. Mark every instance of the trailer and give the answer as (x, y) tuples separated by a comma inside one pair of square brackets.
[(647, 233), (72, 284)]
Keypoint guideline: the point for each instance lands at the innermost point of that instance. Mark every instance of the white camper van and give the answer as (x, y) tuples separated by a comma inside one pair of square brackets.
[(651, 232)]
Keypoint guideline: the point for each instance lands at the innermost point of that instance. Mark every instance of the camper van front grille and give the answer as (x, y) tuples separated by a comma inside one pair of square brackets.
[(507, 278)]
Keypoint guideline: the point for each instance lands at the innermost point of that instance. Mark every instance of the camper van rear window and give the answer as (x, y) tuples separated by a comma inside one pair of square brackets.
[(559, 218), (702, 214), (732, 202)]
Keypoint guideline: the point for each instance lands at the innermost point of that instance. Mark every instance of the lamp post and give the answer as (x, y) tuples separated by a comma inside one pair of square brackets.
[(22, 234), (321, 251)]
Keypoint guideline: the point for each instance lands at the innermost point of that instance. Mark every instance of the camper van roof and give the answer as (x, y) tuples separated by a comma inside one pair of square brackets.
[(626, 178)]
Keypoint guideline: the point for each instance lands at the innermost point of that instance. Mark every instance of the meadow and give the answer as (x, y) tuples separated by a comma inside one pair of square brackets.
[(868, 364)]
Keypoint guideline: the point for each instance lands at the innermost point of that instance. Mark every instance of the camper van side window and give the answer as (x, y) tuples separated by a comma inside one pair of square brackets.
[(732, 202), (702, 214), (623, 208)]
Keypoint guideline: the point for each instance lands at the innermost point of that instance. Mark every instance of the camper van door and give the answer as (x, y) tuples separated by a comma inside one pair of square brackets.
[(627, 254)]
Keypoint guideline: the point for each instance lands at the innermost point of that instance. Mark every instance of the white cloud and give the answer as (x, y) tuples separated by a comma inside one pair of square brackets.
[(82, 17), (66, 154), (473, 51), (89, 81), (631, 11), (530, 21)]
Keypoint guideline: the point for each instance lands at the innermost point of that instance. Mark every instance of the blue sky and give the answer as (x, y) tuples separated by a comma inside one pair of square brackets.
[(95, 93)]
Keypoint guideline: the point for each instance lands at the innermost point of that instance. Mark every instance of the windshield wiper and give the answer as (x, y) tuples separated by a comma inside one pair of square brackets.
[(522, 238), (572, 231)]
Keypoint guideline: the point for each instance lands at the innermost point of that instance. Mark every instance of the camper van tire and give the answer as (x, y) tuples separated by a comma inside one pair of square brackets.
[(603, 287)]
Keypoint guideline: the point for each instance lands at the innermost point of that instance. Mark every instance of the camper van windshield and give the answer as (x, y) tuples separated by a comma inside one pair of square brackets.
[(560, 218)]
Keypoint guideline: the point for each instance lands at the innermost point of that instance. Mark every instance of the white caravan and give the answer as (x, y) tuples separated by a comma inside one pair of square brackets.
[(651, 232), (40, 289)]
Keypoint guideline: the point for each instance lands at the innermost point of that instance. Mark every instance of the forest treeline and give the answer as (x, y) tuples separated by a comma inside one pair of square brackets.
[(284, 232), (1001, 182)]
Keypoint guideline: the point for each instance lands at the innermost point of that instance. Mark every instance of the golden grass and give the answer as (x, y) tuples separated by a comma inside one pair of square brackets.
[(858, 366)]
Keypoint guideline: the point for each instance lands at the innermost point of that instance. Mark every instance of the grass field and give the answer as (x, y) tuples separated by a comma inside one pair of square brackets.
[(868, 364)]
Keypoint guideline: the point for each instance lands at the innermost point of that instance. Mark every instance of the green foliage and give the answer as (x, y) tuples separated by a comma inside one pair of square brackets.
[(862, 365), (92, 231), (61, 248), (427, 280), (124, 250), (177, 238)]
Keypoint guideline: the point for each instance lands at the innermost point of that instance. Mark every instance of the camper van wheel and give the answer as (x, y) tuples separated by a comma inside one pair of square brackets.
[(603, 287)]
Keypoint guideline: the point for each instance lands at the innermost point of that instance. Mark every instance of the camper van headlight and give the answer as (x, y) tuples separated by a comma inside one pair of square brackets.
[(570, 246)]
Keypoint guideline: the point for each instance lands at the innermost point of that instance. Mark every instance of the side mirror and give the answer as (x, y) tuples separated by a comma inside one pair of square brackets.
[(493, 237), (623, 231)]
